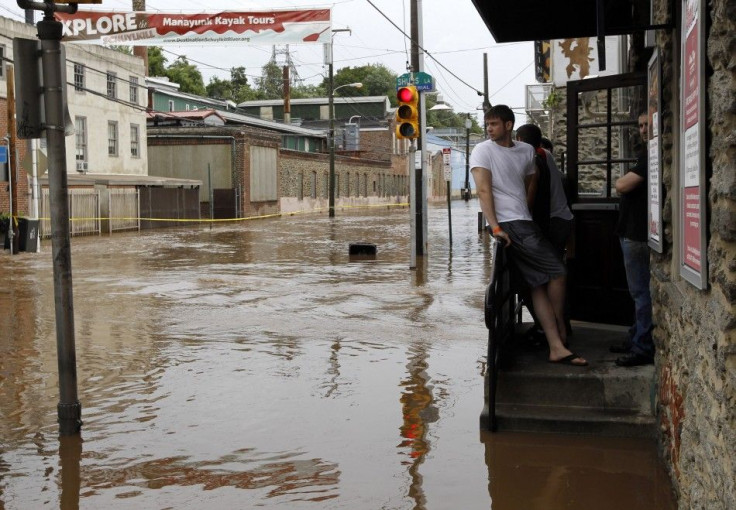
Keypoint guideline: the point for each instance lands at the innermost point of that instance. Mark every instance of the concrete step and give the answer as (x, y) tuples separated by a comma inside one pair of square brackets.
[(535, 395), (574, 420)]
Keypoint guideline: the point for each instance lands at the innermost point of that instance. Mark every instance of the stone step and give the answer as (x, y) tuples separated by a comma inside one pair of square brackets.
[(535, 395), (602, 386), (574, 420)]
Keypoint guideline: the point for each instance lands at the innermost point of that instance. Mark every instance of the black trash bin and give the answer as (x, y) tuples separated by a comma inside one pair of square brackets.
[(28, 234)]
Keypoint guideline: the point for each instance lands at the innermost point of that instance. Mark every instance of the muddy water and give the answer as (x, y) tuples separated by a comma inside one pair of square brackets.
[(256, 366)]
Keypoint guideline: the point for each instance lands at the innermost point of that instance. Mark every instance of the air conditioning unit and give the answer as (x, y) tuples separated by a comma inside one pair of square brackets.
[(82, 166)]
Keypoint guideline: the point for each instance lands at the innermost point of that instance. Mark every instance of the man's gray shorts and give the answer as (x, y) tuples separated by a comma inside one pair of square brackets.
[(532, 254)]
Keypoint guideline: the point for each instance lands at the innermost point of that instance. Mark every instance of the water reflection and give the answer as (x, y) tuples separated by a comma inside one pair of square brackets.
[(528, 472), (418, 412), (70, 457)]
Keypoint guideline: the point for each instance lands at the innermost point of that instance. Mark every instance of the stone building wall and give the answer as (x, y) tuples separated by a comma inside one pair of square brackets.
[(379, 181), (696, 330)]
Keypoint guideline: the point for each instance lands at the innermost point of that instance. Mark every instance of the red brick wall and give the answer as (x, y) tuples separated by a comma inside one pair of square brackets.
[(22, 154)]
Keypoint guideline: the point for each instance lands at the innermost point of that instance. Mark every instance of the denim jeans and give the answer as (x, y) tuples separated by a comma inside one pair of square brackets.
[(636, 261)]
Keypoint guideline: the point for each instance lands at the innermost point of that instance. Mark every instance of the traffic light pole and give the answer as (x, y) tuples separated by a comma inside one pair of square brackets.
[(419, 205), (49, 32)]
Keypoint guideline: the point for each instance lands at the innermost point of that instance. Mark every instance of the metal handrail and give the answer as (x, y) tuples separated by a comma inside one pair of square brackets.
[(501, 315)]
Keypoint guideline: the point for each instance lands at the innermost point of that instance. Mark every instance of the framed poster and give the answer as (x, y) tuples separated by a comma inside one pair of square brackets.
[(692, 192), (654, 179)]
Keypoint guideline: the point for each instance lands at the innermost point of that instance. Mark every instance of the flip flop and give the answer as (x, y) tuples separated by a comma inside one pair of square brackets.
[(567, 360)]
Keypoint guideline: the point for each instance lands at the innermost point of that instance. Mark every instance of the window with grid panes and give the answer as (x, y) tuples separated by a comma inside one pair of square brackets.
[(112, 138), (80, 136), (79, 77), (111, 86), (134, 89), (135, 141)]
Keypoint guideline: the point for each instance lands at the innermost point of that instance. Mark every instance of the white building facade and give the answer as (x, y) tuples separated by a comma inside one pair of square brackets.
[(106, 98)]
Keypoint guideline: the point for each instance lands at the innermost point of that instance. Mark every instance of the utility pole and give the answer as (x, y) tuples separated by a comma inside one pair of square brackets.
[(468, 125), (331, 141), (486, 100), (12, 163), (331, 114), (139, 6), (287, 95), (49, 32), (418, 187)]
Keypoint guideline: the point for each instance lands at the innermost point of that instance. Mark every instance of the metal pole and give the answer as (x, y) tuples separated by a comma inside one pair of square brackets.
[(69, 408), (412, 204), (211, 194), (486, 101), (331, 141), (449, 213), (417, 64), (11, 229), (467, 159)]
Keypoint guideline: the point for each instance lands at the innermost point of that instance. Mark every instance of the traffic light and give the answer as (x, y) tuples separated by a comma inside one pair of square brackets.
[(407, 114)]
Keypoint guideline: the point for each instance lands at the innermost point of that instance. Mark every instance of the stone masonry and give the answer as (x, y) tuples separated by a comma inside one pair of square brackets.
[(696, 330)]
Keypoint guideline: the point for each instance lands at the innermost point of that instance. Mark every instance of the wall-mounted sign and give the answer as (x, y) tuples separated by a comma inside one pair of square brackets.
[(693, 241), (157, 28), (654, 235), (577, 58)]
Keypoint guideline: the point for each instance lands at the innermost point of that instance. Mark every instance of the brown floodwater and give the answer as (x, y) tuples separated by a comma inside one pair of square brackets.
[(254, 365)]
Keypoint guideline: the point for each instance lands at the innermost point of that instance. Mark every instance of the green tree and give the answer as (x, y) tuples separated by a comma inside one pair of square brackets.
[(269, 85), (187, 76), (220, 89), (128, 50), (377, 80), (307, 91), (235, 89), (156, 61)]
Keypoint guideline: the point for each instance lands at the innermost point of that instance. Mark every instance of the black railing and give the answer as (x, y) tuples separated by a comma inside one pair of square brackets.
[(502, 310)]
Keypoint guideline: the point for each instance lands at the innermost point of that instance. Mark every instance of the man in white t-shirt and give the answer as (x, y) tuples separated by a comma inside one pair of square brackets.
[(504, 175)]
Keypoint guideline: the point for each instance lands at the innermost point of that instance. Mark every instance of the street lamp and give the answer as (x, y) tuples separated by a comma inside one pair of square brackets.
[(331, 109)]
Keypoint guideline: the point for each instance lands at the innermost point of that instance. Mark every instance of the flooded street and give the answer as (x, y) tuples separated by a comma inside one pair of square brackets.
[(253, 365)]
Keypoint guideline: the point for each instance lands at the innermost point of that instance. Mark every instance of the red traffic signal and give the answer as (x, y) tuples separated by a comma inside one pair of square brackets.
[(407, 113)]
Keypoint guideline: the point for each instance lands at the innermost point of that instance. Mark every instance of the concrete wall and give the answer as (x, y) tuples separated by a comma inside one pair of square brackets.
[(213, 155), (696, 330)]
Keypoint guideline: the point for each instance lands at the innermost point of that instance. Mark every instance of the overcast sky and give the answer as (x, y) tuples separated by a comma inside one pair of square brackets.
[(454, 35)]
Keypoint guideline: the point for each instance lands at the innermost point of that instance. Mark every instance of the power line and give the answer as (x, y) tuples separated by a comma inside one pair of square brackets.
[(425, 51)]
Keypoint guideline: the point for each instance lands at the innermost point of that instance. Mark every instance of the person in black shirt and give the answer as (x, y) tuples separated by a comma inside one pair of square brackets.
[(632, 231)]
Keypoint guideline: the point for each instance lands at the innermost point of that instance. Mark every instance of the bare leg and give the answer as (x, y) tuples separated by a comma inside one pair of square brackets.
[(556, 294), (546, 316)]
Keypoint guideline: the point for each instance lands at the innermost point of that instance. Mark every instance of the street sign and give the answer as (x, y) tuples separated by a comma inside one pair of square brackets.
[(422, 81), (3, 154), (446, 153)]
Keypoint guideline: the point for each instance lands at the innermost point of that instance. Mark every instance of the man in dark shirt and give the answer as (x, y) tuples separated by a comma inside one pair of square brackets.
[(632, 231)]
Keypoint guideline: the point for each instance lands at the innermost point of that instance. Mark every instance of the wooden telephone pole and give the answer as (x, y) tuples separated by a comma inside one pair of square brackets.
[(141, 51)]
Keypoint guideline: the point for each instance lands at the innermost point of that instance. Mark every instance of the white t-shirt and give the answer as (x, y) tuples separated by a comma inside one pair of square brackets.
[(558, 201), (509, 166)]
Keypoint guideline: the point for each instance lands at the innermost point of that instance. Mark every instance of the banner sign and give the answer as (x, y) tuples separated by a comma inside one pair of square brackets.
[(693, 247), (154, 29), (654, 99)]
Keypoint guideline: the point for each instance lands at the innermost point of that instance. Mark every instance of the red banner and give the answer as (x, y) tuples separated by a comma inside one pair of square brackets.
[(149, 29)]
